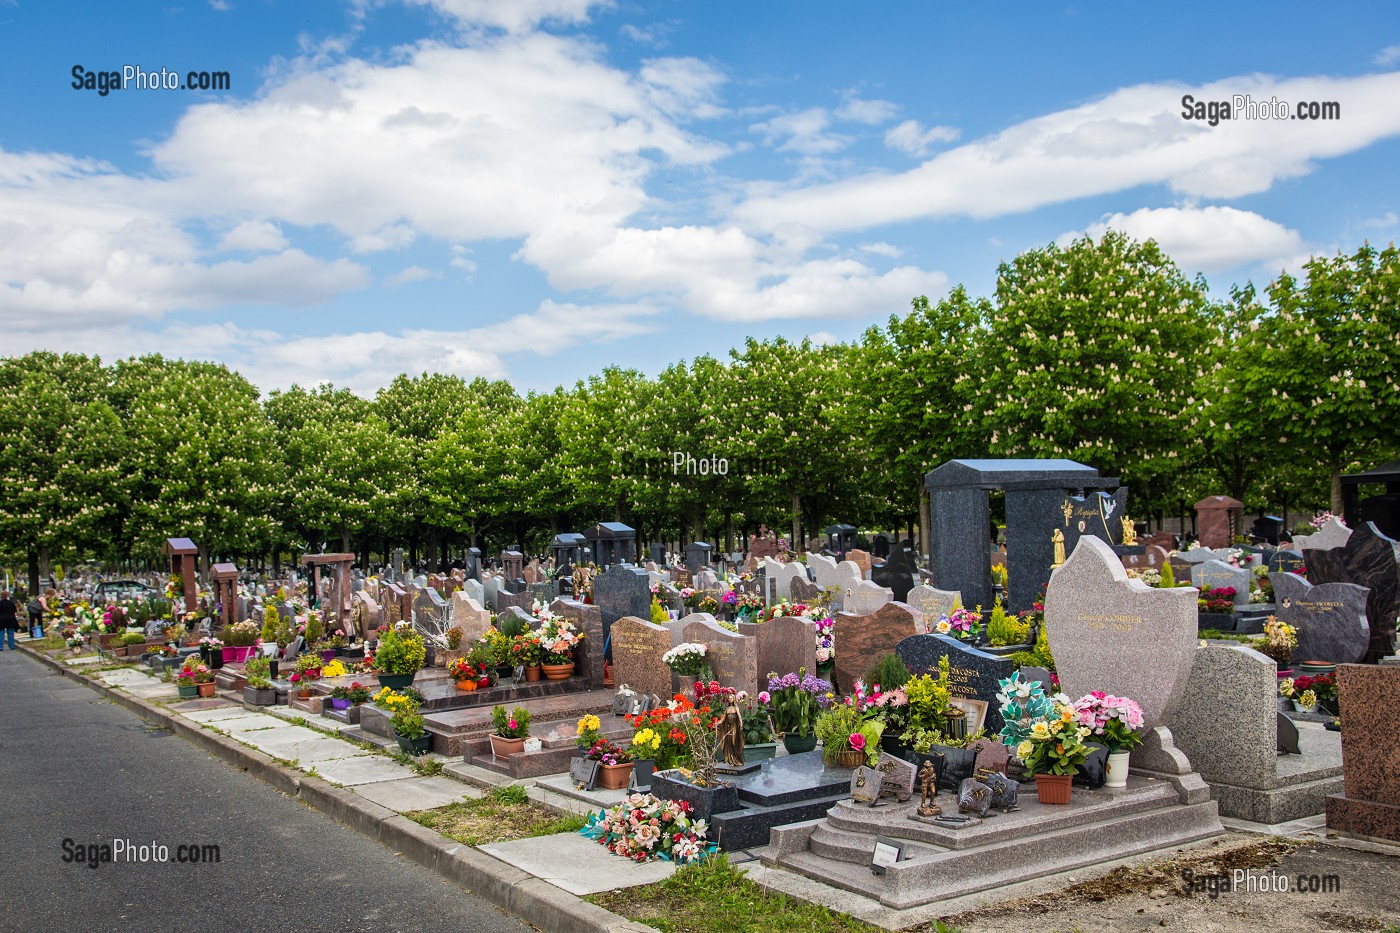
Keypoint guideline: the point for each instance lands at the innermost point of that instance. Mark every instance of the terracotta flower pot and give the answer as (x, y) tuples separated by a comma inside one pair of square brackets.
[(558, 671), (206, 690), (304, 693), (504, 748), (613, 777), (532, 673), (1054, 788)]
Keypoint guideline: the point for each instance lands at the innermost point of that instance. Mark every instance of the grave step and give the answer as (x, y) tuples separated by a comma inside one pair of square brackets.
[(1034, 818), (841, 858), (451, 728), (359, 735), (477, 751)]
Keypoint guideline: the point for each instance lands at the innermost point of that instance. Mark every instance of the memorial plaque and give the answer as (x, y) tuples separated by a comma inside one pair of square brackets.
[(866, 784), (899, 777), (583, 772)]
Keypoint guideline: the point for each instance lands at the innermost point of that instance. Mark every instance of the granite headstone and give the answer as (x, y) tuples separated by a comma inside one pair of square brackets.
[(1330, 618)]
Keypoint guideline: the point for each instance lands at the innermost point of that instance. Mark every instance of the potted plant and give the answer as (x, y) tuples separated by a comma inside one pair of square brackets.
[(759, 741), (849, 740), (1117, 723), (526, 652), (465, 672), (239, 641), (1280, 641), (1045, 735), (1311, 694), (512, 729), (688, 660), (185, 682), (614, 764), (307, 672), (204, 680), (826, 646), (343, 697), (409, 730), (133, 644), (558, 641), (964, 624), (796, 701), (399, 656), (259, 690)]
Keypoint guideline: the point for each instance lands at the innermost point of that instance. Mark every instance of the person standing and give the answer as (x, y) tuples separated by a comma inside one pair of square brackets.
[(9, 620), (36, 608)]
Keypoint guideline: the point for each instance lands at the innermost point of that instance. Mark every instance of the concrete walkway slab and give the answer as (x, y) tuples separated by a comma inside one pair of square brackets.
[(82, 662), (424, 793), (154, 691), (297, 744), (124, 678), (248, 722), (578, 865), (214, 715), (365, 769)]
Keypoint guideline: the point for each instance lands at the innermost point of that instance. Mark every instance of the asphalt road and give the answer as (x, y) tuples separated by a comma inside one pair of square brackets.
[(76, 766)]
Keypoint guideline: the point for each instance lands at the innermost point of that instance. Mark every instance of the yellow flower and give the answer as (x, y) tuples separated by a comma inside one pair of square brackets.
[(1024, 750), (1067, 715), (1040, 731), (589, 723)]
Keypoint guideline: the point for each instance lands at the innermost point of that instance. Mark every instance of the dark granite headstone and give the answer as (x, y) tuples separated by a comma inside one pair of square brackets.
[(1285, 562), (973, 674), (588, 620), (1330, 618), (1287, 735), (899, 572), (621, 590), (1367, 559)]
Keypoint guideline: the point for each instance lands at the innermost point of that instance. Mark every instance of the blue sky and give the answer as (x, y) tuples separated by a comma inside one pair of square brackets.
[(536, 189)]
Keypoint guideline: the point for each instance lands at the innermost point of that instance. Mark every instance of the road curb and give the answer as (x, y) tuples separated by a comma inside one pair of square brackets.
[(515, 891)]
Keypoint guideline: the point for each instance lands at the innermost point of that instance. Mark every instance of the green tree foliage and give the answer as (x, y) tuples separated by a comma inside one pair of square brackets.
[(1099, 351), (1094, 352)]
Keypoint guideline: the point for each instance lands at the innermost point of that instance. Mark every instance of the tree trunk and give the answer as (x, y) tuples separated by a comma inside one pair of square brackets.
[(34, 573), (729, 532), (344, 540), (796, 519), (1337, 493)]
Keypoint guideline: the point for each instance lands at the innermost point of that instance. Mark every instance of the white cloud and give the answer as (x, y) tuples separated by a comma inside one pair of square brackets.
[(1132, 137), (254, 236), (223, 6), (1207, 239), (883, 249), (1387, 56), (514, 15), (869, 112), (412, 274), (911, 137), (803, 132), (1386, 221), (653, 35)]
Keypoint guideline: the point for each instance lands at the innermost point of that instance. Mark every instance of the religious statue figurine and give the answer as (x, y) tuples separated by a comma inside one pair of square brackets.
[(731, 736), (1129, 531), (1058, 538), (928, 781)]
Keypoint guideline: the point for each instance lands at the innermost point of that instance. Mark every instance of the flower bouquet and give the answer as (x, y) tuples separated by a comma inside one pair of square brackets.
[(643, 828)]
